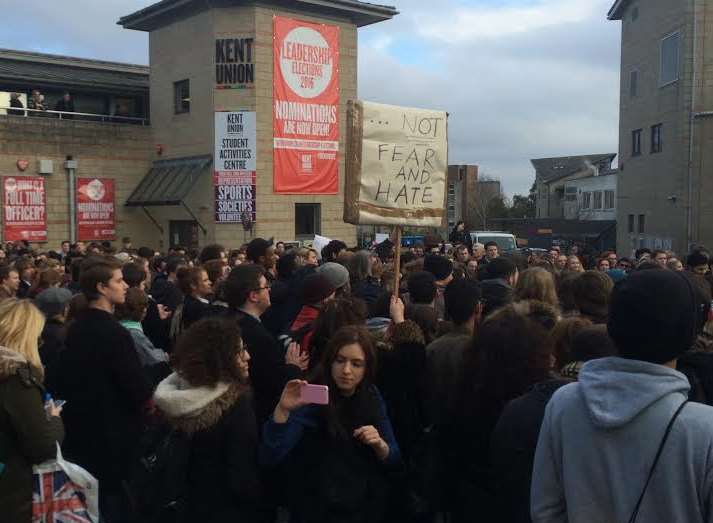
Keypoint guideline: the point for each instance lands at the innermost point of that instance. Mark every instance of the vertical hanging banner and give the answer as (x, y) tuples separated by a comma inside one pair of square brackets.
[(96, 211), (234, 166), (306, 107), (24, 213)]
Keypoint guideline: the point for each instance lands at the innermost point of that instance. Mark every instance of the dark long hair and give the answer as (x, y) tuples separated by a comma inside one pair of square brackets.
[(509, 354), (337, 313), (343, 414)]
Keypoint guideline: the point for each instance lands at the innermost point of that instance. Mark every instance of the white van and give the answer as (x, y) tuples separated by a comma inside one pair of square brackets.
[(505, 240)]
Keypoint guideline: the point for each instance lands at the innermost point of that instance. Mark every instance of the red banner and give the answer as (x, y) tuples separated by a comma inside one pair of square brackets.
[(25, 213), (95, 209), (306, 107)]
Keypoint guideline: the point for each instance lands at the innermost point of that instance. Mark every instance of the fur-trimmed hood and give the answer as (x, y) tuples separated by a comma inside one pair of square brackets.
[(191, 409), (10, 363)]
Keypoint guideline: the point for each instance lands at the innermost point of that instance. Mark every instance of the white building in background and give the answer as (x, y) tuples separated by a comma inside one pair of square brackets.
[(591, 198)]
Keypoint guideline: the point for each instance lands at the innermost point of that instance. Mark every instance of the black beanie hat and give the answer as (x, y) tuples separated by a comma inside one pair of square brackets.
[(652, 316), (696, 259), (438, 265), (315, 288)]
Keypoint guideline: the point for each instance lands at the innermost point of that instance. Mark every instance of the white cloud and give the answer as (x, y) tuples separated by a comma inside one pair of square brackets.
[(464, 24), (529, 79), (519, 82)]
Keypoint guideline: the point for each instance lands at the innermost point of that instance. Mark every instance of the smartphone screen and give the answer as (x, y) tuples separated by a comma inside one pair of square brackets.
[(59, 403), (317, 394)]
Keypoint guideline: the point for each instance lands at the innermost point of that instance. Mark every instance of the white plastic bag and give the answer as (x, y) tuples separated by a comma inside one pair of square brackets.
[(52, 492)]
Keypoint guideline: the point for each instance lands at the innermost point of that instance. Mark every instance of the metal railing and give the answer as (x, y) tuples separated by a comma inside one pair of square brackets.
[(67, 115)]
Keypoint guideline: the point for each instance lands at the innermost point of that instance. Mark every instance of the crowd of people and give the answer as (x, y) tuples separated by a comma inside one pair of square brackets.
[(459, 384), (36, 102)]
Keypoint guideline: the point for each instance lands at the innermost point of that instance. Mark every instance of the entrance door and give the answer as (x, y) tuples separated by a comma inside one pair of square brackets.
[(183, 233)]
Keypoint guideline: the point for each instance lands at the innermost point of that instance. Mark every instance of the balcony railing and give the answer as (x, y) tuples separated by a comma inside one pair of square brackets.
[(67, 115)]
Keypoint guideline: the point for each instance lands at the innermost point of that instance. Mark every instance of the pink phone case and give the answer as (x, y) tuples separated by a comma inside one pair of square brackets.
[(317, 394)]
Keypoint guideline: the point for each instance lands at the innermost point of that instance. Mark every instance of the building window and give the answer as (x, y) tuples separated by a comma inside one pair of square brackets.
[(597, 200), (181, 97), (633, 83), (586, 200), (636, 142), (570, 194), (608, 199), (669, 59), (308, 219), (642, 223), (631, 223), (656, 138)]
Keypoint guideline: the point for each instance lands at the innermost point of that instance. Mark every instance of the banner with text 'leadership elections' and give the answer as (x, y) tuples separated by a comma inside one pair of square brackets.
[(306, 107), (24, 209), (235, 166)]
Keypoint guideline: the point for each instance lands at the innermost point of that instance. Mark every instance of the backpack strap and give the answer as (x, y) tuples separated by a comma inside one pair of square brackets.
[(635, 513)]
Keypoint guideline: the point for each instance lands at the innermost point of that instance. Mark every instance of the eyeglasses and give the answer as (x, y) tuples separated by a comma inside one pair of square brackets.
[(262, 288)]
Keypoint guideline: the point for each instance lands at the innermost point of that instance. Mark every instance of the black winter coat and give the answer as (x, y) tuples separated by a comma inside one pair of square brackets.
[(368, 290), (268, 371), (513, 446), (52, 346), (101, 379), (193, 310), (223, 479), (456, 237), (402, 381)]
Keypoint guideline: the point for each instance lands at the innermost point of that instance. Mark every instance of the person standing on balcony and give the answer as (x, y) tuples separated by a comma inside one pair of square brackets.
[(37, 102), (16, 102), (65, 104)]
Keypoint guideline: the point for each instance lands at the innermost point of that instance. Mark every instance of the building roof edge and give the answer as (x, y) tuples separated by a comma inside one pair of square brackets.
[(147, 18), (615, 11), (73, 61)]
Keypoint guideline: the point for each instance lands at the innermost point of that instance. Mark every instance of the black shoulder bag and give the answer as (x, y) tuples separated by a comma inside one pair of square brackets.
[(634, 514)]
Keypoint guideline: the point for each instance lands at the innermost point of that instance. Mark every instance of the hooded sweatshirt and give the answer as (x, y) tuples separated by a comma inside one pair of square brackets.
[(600, 437)]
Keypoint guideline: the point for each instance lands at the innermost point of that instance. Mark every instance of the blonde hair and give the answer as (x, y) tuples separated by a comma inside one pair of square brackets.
[(21, 325), (538, 284)]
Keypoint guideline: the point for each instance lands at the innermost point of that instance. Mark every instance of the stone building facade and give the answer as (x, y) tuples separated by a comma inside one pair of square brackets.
[(182, 47), (666, 124), (107, 150), (182, 53)]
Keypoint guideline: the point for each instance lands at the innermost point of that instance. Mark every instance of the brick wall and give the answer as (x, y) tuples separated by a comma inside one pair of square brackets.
[(119, 151)]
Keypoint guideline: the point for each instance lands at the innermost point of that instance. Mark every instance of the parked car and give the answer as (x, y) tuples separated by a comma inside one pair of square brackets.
[(506, 241)]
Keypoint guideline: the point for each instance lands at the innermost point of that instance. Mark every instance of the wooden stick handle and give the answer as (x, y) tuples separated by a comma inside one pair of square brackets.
[(397, 261)]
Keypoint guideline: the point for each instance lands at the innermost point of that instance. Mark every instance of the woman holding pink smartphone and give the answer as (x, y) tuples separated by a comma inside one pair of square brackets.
[(334, 439)]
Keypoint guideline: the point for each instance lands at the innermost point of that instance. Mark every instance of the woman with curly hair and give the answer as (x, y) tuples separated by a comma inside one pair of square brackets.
[(209, 399), (510, 354)]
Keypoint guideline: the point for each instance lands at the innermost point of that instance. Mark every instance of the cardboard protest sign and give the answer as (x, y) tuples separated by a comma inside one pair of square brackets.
[(25, 211), (319, 243), (397, 164)]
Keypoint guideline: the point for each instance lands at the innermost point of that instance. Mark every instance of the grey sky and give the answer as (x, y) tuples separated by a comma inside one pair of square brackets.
[(521, 79)]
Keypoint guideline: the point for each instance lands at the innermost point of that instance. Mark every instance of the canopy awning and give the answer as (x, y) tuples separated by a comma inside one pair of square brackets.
[(169, 181)]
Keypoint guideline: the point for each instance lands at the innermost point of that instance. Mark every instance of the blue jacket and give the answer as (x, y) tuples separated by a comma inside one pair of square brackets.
[(331, 478), (600, 437), (280, 438)]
